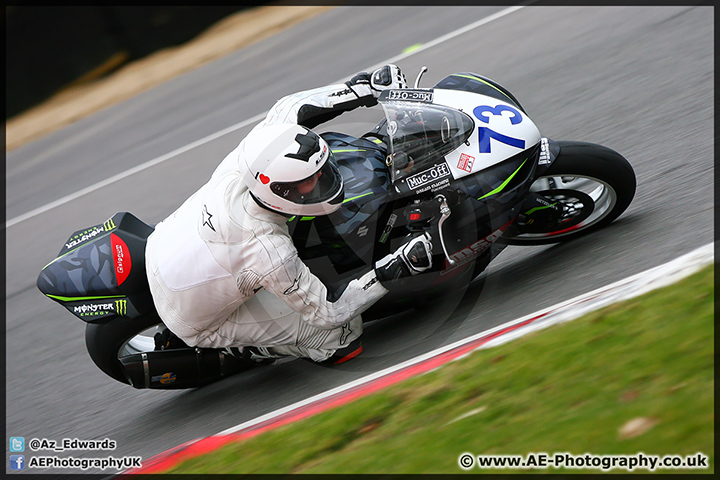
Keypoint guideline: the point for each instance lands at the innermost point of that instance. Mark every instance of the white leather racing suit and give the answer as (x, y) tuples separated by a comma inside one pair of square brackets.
[(224, 272)]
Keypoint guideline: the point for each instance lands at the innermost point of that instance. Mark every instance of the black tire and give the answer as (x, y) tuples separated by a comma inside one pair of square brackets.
[(104, 341), (614, 176)]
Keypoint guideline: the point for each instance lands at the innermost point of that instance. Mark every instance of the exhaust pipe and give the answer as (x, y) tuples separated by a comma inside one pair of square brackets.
[(180, 368)]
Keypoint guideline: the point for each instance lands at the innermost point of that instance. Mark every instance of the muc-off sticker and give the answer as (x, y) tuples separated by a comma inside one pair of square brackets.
[(430, 175), (410, 95)]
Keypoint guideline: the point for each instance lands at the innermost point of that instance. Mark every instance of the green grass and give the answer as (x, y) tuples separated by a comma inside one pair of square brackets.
[(569, 388)]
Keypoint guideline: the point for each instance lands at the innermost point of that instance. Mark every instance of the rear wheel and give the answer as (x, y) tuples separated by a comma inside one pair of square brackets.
[(593, 185)]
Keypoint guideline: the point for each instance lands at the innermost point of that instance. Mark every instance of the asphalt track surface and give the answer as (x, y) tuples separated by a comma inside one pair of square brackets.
[(638, 80)]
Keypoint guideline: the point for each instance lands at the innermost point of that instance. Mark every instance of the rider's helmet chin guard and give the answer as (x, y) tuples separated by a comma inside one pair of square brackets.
[(291, 170)]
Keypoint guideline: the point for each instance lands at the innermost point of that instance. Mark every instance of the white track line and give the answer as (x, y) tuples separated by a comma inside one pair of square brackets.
[(132, 171), (237, 126)]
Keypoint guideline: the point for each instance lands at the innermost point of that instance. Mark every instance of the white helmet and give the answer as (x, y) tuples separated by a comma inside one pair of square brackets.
[(291, 170)]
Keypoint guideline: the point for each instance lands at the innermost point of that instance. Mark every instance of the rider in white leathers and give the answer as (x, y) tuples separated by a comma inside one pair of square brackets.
[(223, 270)]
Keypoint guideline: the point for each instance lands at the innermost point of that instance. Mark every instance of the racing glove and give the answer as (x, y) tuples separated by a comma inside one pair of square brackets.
[(411, 259), (387, 77)]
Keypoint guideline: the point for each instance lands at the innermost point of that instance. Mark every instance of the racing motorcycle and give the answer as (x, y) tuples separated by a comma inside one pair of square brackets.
[(461, 160)]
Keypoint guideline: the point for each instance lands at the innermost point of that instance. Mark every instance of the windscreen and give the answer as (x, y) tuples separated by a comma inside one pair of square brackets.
[(422, 134)]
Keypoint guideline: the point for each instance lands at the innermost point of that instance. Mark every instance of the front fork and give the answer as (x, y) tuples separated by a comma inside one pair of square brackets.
[(539, 211)]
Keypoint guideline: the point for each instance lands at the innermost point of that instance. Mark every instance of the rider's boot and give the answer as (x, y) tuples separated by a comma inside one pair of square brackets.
[(342, 355), (257, 355), (275, 355)]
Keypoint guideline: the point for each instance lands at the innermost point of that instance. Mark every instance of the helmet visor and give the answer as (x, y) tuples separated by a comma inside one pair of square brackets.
[(321, 186)]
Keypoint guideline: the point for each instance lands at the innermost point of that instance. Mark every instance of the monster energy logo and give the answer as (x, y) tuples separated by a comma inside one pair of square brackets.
[(90, 233), (109, 225), (84, 236), (121, 307), (98, 309), (92, 309)]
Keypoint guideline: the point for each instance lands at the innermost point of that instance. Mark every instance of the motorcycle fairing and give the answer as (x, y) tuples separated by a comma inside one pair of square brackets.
[(348, 241), (100, 271), (502, 131), (472, 82), (506, 182), (461, 134)]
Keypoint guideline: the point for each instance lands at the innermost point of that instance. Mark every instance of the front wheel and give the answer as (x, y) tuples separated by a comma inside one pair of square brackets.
[(593, 185)]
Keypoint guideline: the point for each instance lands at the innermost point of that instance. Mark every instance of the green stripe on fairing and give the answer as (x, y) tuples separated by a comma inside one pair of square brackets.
[(504, 184), (533, 210), (349, 150), (359, 196), (304, 219), (79, 299), (483, 81)]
